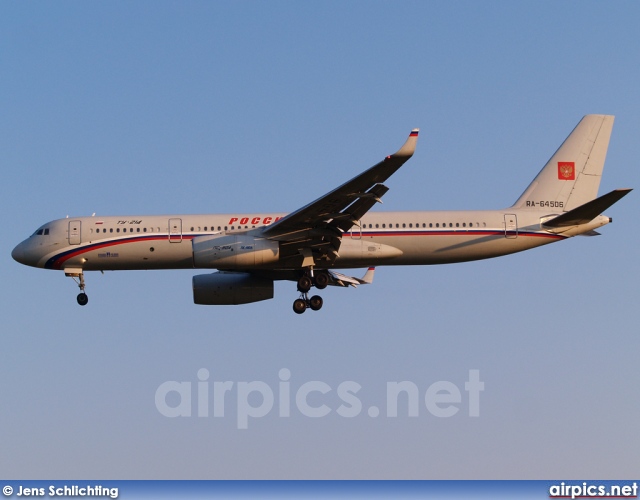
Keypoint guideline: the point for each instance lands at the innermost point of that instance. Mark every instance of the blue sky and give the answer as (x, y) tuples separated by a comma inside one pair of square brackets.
[(203, 107)]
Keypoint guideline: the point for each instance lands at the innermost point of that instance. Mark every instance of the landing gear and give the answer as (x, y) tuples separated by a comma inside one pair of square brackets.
[(78, 276), (305, 282), (299, 306), (314, 303), (321, 280)]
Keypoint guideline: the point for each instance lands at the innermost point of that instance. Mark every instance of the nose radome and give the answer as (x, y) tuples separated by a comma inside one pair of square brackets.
[(18, 253)]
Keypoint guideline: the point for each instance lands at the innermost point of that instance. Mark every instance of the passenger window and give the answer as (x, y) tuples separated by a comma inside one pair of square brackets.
[(457, 224), (437, 224), (111, 230), (118, 230)]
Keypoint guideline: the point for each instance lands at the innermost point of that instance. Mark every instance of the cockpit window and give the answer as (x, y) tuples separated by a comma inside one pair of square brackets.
[(39, 232), (42, 231)]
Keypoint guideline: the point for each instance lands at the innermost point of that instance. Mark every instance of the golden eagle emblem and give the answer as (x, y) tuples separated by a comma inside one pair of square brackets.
[(566, 170)]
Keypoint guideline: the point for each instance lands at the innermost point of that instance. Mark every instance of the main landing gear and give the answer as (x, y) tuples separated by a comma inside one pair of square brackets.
[(305, 282), (78, 277)]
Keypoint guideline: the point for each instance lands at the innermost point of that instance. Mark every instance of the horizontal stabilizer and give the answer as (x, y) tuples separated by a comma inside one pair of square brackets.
[(589, 211)]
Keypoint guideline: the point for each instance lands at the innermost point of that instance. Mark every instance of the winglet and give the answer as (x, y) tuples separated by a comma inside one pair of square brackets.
[(409, 147), (339, 279), (367, 279)]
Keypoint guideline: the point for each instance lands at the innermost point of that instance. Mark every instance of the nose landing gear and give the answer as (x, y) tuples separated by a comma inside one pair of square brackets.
[(78, 276), (82, 299)]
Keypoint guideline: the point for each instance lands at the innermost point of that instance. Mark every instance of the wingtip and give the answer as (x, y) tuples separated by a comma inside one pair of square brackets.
[(409, 146)]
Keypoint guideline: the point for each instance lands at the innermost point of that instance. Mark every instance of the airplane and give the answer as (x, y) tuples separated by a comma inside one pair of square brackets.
[(337, 231)]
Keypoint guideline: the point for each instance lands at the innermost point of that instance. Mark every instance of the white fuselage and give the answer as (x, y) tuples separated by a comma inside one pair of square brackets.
[(383, 238)]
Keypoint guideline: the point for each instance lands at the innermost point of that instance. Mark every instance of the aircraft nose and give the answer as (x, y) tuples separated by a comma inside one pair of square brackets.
[(18, 254)]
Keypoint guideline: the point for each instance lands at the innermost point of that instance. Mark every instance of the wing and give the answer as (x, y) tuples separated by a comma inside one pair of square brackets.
[(315, 230)]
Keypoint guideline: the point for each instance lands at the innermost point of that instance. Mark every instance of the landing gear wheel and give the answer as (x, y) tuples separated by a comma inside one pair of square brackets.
[(315, 303), (299, 306), (321, 280), (82, 299), (77, 276), (304, 284)]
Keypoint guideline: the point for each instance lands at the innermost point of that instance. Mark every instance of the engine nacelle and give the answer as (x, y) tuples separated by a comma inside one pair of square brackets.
[(233, 251), (224, 289)]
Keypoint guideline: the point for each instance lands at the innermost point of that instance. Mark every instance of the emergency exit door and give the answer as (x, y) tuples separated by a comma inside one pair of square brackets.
[(175, 230)]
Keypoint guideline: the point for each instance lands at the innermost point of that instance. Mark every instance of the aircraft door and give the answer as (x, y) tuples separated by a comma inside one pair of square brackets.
[(510, 226), (175, 230), (75, 230)]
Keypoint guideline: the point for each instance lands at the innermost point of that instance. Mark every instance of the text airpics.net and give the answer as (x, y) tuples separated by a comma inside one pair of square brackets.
[(257, 399)]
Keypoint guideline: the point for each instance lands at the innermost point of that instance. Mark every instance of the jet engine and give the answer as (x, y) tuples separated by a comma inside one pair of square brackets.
[(233, 251), (225, 288)]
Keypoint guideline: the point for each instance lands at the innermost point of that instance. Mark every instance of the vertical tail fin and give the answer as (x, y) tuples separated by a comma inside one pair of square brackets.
[(572, 176)]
